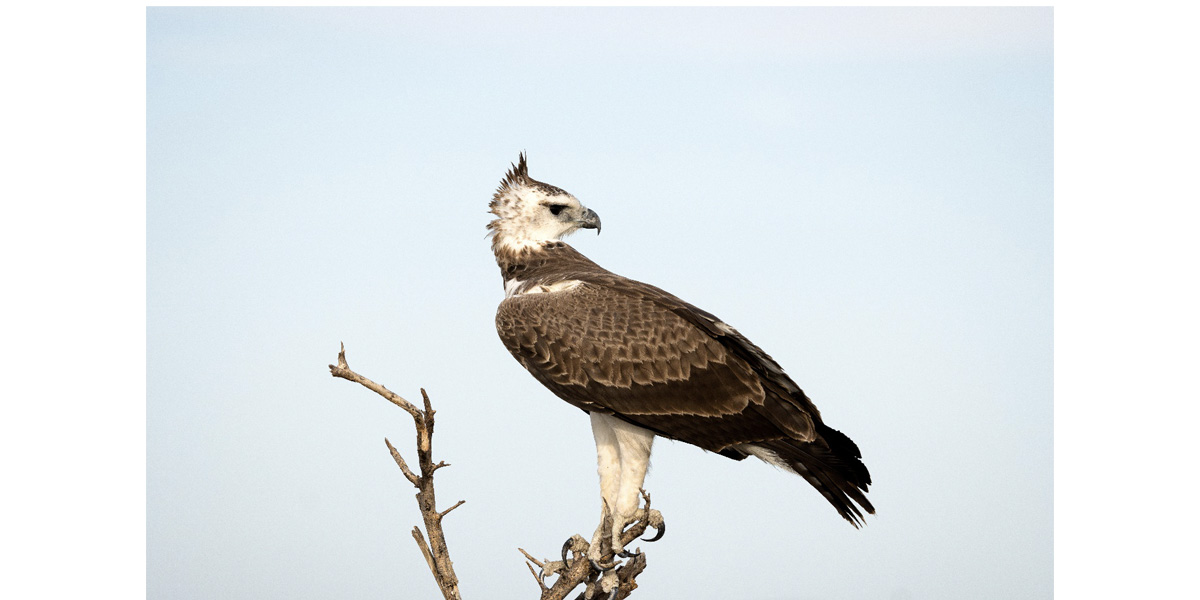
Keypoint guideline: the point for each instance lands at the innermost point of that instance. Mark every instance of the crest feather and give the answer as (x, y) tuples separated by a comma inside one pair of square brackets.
[(516, 176), (508, 194)]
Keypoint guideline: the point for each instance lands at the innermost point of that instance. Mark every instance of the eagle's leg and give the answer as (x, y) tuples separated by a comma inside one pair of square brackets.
[(635, 444), (608, 461), (623, 457)]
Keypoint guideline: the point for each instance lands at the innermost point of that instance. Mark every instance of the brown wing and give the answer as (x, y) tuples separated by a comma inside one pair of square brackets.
[(622, 347), (627, 348)]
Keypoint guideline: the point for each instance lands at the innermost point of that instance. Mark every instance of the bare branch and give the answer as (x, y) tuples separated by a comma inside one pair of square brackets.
[(535, 576), (535, 561), (342, 369), (435, 551), (428, 408), (416, 533), (425, 434), (416, 481), (444, 512), (628, 573)]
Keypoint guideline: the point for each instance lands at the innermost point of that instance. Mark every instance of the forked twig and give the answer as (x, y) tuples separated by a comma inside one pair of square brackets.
[(436, 554)]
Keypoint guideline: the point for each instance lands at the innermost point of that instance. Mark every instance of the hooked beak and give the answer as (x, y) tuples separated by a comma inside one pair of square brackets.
[(590, 220)]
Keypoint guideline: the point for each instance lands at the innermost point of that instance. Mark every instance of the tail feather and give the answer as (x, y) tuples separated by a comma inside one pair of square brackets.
[(832, 464)]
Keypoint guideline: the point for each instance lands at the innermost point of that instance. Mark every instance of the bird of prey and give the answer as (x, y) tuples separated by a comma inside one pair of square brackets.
[(644, 363)]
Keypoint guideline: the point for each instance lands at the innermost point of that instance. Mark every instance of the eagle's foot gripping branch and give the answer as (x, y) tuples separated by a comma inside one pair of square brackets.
[(613, 535), (598, 567)]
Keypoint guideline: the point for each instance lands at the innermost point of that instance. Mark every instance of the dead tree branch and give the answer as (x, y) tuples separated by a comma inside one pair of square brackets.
[(437, 555)]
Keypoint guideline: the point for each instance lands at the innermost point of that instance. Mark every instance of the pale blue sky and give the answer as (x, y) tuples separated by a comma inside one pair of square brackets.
[(865, 193)]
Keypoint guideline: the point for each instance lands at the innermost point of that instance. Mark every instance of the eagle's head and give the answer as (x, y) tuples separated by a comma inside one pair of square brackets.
[(529, 212)]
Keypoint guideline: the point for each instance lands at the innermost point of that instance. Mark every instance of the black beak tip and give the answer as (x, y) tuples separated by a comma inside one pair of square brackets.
[(591, 220)]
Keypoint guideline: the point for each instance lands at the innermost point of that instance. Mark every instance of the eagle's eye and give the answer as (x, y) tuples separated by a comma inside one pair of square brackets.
[(557, 208)]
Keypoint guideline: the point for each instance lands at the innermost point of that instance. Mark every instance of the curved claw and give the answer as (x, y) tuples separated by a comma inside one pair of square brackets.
[(658, 535), (599, 568), (628, 554), (613, 594), (566, 548)]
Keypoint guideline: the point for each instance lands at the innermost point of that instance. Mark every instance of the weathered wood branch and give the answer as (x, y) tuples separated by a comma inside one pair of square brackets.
[(435, 551)]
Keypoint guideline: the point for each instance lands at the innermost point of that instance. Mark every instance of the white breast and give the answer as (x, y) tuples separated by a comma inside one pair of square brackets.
[(516, 287), (512, 287)]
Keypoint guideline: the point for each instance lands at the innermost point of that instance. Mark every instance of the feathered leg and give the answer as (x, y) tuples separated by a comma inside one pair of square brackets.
[(623, 457), (608, 461), (635, 444)]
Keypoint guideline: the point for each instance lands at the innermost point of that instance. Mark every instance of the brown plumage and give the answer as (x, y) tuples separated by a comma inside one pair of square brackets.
[(612, 345)]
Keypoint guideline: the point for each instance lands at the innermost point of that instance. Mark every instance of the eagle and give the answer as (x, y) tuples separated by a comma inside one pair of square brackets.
[(644, 363)]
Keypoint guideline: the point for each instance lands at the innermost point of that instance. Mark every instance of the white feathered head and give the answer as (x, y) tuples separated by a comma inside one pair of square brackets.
[(529, 212)]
